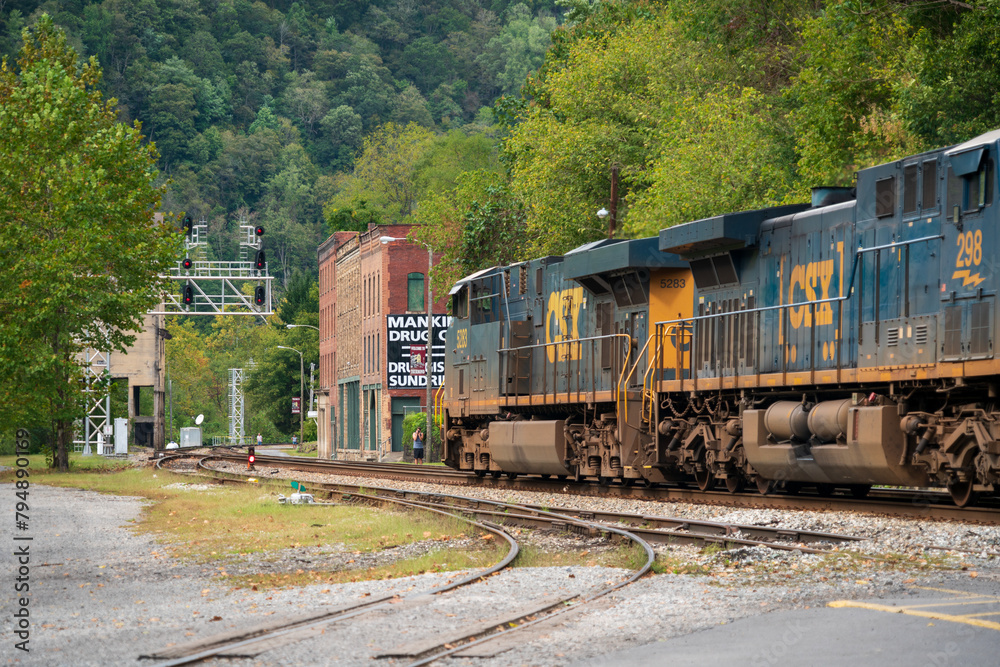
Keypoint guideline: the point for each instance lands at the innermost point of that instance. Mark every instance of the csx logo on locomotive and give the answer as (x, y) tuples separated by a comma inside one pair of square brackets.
[(562, 322), (812, 282)]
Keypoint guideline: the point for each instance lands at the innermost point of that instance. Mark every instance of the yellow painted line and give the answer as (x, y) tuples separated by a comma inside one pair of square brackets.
[(964, 603), (989, 625), (964, 594), (985, 613)]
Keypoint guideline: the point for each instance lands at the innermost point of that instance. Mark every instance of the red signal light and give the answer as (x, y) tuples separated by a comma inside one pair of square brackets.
[(259, 230), (260, 261), (188, 295), (187, 263)]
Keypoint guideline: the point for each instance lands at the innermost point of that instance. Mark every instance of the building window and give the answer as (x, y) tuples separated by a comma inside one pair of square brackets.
[(415, 292)]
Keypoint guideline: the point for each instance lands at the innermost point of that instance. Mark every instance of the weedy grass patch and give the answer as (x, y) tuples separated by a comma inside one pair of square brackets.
[(625, 556), (206, 523), (38, 464), (438, 560)]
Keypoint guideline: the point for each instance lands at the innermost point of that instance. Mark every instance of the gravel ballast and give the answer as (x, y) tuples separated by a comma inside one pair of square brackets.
[(102, 593)]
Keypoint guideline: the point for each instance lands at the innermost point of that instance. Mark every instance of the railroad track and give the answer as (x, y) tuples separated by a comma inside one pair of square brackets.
[(253, 642), (901, 503), (496, 517)]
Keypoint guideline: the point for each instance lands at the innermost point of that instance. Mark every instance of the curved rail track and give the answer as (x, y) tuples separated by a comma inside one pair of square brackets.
[(230, 644), (902, 503)]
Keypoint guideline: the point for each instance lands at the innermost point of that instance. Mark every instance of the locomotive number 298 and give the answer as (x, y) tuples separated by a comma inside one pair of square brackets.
[(970, 249)]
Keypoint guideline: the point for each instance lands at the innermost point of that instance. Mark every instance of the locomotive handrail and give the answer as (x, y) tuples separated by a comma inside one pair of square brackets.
[(833, 299), (574, 341), (813, 303)]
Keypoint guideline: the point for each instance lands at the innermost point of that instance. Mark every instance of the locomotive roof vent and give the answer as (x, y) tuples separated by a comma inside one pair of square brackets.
[(829, 195), (722, 233)]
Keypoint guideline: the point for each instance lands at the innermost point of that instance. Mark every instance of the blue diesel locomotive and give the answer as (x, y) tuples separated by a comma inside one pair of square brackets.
[(837, 345)]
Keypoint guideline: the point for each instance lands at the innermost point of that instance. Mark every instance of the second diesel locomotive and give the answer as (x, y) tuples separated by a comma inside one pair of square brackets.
[(839, 344)]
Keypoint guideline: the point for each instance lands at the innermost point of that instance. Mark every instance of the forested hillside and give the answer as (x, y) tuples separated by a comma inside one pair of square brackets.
[(498, 124), (255, 106)]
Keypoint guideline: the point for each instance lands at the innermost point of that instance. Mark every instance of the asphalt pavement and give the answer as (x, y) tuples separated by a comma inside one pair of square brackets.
[(955, 623)]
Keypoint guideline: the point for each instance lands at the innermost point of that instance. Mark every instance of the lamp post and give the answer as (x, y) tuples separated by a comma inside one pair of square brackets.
[(295, 326), (429, 307), (302, 371)]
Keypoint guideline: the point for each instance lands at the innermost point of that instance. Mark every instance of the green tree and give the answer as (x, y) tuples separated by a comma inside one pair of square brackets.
[(845, 114), (80, 247), (477, 224), (384, 173)]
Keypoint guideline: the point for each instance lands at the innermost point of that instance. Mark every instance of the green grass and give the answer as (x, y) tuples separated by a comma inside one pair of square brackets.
[(36, 462), (438, 560), (628, 556), (221, 522)]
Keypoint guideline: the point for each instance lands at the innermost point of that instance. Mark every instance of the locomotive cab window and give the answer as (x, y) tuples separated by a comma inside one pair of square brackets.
[(460, 303), (484, 302), (910, 189), (929, 186), (980, 187), (970, 182), (885, 197)]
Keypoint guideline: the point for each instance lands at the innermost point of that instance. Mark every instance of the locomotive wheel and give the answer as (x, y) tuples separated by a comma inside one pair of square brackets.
[(603, 481), (628, 481), (480, 473), (764, 486), (734, 483), (512, 475), (705, 479), (963, 493), (496, 474), (825, 490), (793, 488), (860, 490), (562, 478), (546, 475), (648, 483)]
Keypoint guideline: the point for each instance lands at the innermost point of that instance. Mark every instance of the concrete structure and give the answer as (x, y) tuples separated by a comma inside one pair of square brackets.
[(366, 387), (143, 366)]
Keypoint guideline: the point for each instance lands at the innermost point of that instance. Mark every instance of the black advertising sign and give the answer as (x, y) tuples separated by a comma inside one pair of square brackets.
[(406, 350)]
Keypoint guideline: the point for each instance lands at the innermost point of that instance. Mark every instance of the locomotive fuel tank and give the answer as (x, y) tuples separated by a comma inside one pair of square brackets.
[(529, 446), (871, 451)]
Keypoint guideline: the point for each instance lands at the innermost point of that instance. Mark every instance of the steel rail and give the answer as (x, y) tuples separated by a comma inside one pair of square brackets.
[(350, 612), (361, 608), (901, 503)]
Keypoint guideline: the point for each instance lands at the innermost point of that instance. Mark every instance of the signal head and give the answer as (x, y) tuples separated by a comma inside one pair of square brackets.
[(188, 225), (187, 263), (259, 296), (188, 295), (259, 230), (260, 262)]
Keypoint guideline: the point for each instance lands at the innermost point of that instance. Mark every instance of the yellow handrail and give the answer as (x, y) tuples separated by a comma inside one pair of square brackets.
[(439, 403)]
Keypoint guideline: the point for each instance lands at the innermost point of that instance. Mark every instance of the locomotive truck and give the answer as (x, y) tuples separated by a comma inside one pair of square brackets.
[(839, 344)]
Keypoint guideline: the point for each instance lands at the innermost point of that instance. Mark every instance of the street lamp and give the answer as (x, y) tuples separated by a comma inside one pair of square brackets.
[(292, 326), (429, 307), (302, 372)]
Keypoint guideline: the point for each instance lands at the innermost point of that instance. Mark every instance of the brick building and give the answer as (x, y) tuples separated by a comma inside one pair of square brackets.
[(372, 307)]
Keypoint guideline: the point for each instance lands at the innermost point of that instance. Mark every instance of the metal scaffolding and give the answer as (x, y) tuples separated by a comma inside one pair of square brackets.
[(236, 422), (96, 423)]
